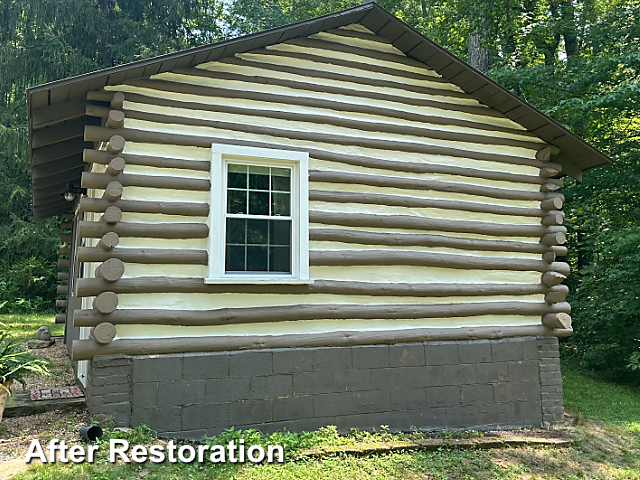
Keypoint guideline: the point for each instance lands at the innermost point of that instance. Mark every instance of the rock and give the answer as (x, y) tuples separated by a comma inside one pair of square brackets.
[(40, 343), (43, 333)]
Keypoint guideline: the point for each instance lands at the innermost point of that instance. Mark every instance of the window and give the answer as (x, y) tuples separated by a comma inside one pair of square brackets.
[(259, 219)]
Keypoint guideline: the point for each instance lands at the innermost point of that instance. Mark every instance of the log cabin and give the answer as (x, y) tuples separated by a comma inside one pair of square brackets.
[(332, 222)]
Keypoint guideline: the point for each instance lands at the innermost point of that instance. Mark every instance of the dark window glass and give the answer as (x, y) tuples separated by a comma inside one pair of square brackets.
[(236, 201), (258, 203), (235, 258), (280, 259), (280, 204), (237, 176)]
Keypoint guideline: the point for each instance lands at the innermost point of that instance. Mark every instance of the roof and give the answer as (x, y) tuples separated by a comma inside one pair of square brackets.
[(56, 110)]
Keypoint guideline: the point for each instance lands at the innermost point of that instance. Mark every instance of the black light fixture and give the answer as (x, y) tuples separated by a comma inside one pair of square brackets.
[(72, 191)]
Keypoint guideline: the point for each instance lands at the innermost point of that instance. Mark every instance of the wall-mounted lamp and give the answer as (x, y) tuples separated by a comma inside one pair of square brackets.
[(72, 191)]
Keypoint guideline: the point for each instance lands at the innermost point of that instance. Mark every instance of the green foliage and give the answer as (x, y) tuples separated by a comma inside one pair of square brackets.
[(17, 364)]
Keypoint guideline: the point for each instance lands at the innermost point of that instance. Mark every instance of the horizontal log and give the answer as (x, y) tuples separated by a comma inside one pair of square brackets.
[(429, 259), (417, 202), (64, 251), (108, 241), (87, 349), (88, 229), (139, 206), (557, 238), (88, 287), (101, 180), (64, 263), (420, 184), (110, 270), (116, 144), (551, 279), (104, 158), (112, 215), (61, 304), (93, 110), (66, 225), (553, 203), (61, 318), (117, 100), (115, 119), (66, 238), (67, 216), (113, 191), (243, 315), (116, 166), (63, 275), (104, 333), (146, 255), (557, 294), (106, 302), (557, 320), (95, 133), (426, 223), (552, 219), (421, 240), (62, 290)]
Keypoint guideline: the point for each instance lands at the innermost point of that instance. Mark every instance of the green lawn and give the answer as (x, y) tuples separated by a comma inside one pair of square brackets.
[(23, 327)]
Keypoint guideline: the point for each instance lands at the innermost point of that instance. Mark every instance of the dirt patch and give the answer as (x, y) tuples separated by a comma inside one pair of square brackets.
[(62, 374)]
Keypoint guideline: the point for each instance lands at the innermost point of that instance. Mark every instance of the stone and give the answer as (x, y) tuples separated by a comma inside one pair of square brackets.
[(40, 343), (43, 333)]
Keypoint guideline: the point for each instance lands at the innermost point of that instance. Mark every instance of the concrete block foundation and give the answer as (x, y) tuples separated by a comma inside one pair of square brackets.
[(480, 384)]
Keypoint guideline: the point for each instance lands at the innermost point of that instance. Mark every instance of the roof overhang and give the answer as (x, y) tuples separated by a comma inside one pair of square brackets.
[(56, 110)]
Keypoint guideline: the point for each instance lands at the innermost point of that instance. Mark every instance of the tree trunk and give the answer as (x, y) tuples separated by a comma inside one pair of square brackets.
[(567, 13), (423, 4), (479, 53)]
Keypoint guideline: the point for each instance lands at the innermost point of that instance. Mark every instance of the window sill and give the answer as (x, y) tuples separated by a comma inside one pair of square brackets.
[(258, 281)]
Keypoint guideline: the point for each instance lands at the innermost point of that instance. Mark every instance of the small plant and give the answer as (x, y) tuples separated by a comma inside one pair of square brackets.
[(17, 364)]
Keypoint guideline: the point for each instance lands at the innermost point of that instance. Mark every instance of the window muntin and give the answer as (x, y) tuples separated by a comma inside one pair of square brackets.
[(258, 219)]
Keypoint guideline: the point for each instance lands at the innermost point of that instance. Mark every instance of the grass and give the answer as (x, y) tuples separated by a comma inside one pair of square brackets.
[(23, 326)]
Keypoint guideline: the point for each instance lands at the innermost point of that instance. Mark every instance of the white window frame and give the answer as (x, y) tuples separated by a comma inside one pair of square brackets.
[(221, 156)]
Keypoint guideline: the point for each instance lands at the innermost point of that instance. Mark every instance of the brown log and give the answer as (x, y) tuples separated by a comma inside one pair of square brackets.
[(116, 166), (420, 184), (243, 315), (557, 238), (66, 225), (103, 158), (547, 172), (101, 180), (61, 318), (104, 333), (64, 263), (144, 230), (559, 250), (113, 191), (551, 279), (417, 202), (549, 257), (117, 101), (115, 119), (442, 260), (109, 240), (66, 238), (67, 216), (426, 223), (544, 155), (63, 275), (553, 203), (549, 187), (62, 289), (88, 287), (106, 302), (421, 240), (87, 349), (97, 111), (99, 96), (146, 256), (116, 144), (64, 251), (139, 206), (556, 294), (61, 303), (557, 320), (112, 215), (110, 270), (553, 219)]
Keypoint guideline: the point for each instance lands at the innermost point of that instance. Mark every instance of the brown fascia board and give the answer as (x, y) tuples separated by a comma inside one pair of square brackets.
[(404, 37)]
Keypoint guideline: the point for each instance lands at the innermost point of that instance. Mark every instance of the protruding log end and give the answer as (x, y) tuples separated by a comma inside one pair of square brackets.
[(66, 225), (113, 191), (61, 318), (111, 269), (64, 251), (556, 238), (116, 144), (61, 303), (104, 333), (549, 187), (62, 289), (67, 216), (549, 257), (117, 101), (547, 172), (65, 238), (64, 263), (115, 119), (112, 215), (557, 320), (106, 302), (553, 219), (544, 155), (116, 166), (109, 240), (63, 275), (556, 294), (551, 279)]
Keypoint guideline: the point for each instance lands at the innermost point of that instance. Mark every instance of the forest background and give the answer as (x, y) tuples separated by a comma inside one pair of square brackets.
[(576, 60)]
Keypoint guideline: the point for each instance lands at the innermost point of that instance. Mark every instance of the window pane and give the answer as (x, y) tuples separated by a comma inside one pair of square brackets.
[(257, 232), (236, 201), (256, 259), (280, 259), (280, 204), (236, 229), (258, 203), (237, 176), (281, 179), (235, 261), (258, 178), (280, 232)]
